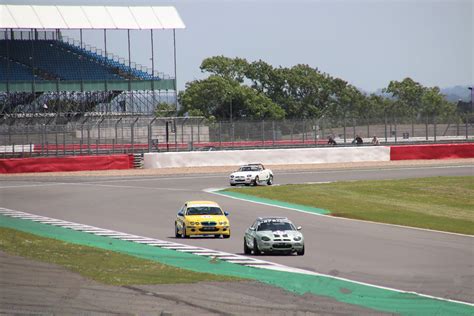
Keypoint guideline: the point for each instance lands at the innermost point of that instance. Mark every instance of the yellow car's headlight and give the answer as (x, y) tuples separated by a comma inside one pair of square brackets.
[(223, 223)]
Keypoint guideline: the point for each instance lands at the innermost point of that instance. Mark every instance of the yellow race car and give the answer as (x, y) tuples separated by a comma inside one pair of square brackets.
[(202, 218)]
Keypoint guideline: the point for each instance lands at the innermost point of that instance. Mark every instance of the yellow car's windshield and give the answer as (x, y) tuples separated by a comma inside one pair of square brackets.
[(204, 210)]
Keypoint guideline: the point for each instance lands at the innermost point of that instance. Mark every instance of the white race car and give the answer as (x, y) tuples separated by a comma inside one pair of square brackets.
[(254, 174)]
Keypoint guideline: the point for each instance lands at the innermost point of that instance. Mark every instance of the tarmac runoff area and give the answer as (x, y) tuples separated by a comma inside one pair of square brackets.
[(188, 187)]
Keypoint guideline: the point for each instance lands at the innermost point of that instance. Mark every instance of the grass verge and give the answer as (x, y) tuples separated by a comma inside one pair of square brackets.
[(104, 266), (439, 203)]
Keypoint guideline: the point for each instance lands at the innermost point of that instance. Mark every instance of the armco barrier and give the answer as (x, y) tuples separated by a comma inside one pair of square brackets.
[(70, 163), (435, 151), (266, 156)]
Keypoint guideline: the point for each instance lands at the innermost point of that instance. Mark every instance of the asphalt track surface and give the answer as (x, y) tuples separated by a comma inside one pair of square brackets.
[(432, 263)]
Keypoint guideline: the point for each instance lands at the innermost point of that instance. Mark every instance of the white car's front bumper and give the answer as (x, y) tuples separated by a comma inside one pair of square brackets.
[(280, 246), (241, 180)]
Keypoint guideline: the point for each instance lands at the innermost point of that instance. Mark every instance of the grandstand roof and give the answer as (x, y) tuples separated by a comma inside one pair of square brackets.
[(89, 17)]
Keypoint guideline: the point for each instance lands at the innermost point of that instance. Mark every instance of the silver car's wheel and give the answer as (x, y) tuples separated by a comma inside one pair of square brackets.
[(256, 181), (301, 252), (256, 251), (247, 250)]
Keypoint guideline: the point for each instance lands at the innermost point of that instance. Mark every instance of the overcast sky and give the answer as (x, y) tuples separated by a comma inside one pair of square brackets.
[(366, 42)]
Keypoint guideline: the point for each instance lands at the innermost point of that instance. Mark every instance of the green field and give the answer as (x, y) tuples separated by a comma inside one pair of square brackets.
[(104, 266), (439, 203)]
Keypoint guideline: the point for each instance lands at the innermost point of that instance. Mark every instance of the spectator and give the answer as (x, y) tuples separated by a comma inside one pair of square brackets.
[(375, 140), (331, 141), (358, 140)]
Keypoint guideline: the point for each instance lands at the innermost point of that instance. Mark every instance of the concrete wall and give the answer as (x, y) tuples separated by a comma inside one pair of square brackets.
[(266, 156)]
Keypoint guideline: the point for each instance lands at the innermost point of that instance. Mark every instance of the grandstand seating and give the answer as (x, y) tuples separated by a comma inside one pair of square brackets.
[(53, 59), (18, 71)]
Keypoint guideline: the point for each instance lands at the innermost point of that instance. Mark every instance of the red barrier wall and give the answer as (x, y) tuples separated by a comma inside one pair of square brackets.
[(434, 151), (69, 163)]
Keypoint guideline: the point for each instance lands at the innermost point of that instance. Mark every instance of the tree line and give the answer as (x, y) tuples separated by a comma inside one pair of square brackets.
[(239, 89)]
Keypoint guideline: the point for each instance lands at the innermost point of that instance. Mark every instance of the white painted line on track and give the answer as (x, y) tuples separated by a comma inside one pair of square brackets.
[(336, 218), (256, 263)]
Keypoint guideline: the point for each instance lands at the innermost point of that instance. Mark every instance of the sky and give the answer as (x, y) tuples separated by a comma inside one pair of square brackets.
[(365, 42)]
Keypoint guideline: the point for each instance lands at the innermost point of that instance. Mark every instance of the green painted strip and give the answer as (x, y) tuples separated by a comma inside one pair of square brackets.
[(252, 198), (340, 290)]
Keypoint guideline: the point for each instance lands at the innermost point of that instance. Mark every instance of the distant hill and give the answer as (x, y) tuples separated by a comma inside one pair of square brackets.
[(452, 94), (456, 93)]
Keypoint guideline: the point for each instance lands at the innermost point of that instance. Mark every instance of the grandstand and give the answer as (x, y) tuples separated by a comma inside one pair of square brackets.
[(40, 69)]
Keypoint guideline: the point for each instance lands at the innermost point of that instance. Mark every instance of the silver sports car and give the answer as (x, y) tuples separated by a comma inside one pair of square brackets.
[(273, 234)]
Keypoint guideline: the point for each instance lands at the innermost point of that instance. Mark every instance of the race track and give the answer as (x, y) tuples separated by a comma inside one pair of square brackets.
[(432, 263)]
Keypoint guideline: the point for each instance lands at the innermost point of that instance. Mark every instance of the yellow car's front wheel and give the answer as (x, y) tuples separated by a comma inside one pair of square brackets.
[(183, 232)]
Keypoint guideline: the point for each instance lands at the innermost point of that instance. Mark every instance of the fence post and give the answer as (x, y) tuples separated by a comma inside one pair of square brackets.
[(232, 134), (150, 133), (412, 126), (273, 133), (395, 127), (315, 129), (116, 131), (368, 127), (385, 119), (426, 128), (220, 135), (467, 126), (89, 140), (263, 132), (43, 138), (132, 134), (304, 130), (344, 129), (97, 147), (64, 144), (434, 127), (353, 127), (98, 128), (56, 138)]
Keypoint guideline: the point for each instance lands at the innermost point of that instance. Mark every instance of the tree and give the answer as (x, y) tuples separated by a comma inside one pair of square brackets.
[(216, 95), (164, 109), (226, 67), (412, 98)]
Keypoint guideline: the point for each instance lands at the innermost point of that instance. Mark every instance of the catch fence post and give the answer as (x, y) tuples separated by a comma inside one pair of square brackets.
[(344, 129), (273, 133), (395, 126)]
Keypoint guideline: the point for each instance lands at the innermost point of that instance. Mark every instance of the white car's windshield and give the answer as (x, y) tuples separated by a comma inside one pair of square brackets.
[(275, 226), (204, 210), (249, 168)]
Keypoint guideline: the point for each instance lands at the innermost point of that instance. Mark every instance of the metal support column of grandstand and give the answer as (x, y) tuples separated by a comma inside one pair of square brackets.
[(45, 72)]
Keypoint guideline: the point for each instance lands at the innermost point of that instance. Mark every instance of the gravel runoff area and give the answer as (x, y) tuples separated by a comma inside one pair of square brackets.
[(228, 169), (34, 288), (28, 287)]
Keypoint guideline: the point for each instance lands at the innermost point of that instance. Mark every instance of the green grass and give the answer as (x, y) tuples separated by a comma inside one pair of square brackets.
[(104, 266), (439, 203)]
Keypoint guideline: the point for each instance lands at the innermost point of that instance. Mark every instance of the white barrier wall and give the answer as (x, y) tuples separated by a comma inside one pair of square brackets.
[(266, 156), (17, 148)]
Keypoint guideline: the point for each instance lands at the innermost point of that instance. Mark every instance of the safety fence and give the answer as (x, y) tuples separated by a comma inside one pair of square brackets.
[(45, 134)]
